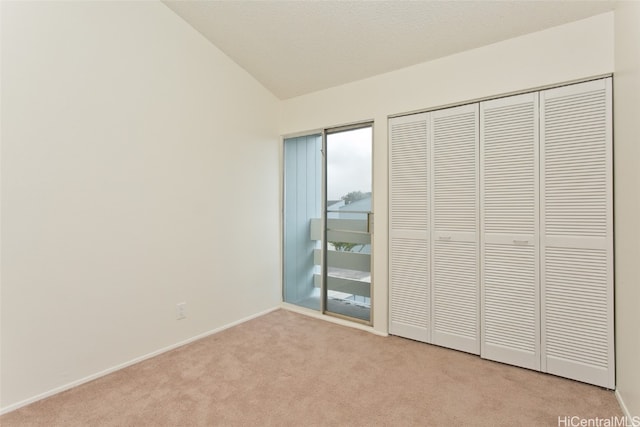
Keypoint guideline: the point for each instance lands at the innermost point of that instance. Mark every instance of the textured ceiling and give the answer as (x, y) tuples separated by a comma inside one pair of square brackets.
[(298, 47)]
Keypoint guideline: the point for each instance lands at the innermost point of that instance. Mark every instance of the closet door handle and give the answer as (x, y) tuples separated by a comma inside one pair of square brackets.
[(445, 237), (521, 242)]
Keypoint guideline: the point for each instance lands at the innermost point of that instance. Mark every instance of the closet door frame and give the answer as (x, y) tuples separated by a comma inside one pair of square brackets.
[(433, 235)]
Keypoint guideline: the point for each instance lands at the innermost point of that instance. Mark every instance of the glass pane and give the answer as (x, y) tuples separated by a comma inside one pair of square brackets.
[(302, 226), (348, 239)]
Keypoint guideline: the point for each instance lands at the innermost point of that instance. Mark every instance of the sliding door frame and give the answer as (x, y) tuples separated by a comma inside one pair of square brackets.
[(324, 132), (325, 265)]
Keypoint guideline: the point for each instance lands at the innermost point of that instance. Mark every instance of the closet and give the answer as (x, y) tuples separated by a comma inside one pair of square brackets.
[(501, 230)]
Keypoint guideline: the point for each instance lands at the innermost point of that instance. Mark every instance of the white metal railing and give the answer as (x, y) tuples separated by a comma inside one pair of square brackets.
[(350, 231)]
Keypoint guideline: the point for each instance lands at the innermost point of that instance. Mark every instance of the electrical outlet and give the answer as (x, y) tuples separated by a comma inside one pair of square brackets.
[(181, 310)]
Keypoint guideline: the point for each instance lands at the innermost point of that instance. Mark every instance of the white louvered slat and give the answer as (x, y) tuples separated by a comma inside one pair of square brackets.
[(509, 223), (409, 224), (580, 333), (409, 299), (454, 274), (455, 294), (577, 264)]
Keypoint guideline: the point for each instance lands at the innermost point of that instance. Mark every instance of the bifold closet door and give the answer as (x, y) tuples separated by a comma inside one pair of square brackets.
[(577, 232), (509, 223), (409, 299), (454, 228)]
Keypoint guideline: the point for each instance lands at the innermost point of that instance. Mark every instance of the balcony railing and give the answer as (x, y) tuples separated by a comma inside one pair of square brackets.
[(349, 271)]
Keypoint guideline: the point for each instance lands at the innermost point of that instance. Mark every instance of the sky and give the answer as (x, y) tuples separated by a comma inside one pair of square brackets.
[(349, 162)]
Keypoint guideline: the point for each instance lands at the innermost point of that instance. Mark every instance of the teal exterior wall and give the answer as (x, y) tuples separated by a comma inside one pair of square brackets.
[(302, 202)]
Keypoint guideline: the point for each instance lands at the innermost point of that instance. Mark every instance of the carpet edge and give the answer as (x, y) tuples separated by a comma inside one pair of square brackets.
[(131, 362)]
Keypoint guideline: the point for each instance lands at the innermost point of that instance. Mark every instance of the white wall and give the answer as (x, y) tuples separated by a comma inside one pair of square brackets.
[(627, 202), (139, 170), (569, 52)]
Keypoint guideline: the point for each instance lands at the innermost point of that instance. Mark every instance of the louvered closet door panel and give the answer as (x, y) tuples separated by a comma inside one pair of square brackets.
[(454, 225), (509, 224), (409, 220), (577, 264)]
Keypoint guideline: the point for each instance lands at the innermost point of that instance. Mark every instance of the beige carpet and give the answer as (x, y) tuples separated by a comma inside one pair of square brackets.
[(288, 369)]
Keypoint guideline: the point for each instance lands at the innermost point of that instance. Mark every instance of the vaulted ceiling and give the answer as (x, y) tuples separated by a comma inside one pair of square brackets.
[(298, 47)]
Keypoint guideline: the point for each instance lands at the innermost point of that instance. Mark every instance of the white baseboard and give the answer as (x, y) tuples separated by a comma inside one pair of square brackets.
[(316, 314), (108, 371), (625, 410)]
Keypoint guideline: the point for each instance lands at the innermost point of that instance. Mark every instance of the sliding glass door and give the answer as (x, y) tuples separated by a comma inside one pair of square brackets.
[(327, 216), (347, 290)]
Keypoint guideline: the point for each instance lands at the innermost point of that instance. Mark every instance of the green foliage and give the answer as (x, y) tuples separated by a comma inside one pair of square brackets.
[(348, 198), (354, 196), (345, 247)]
